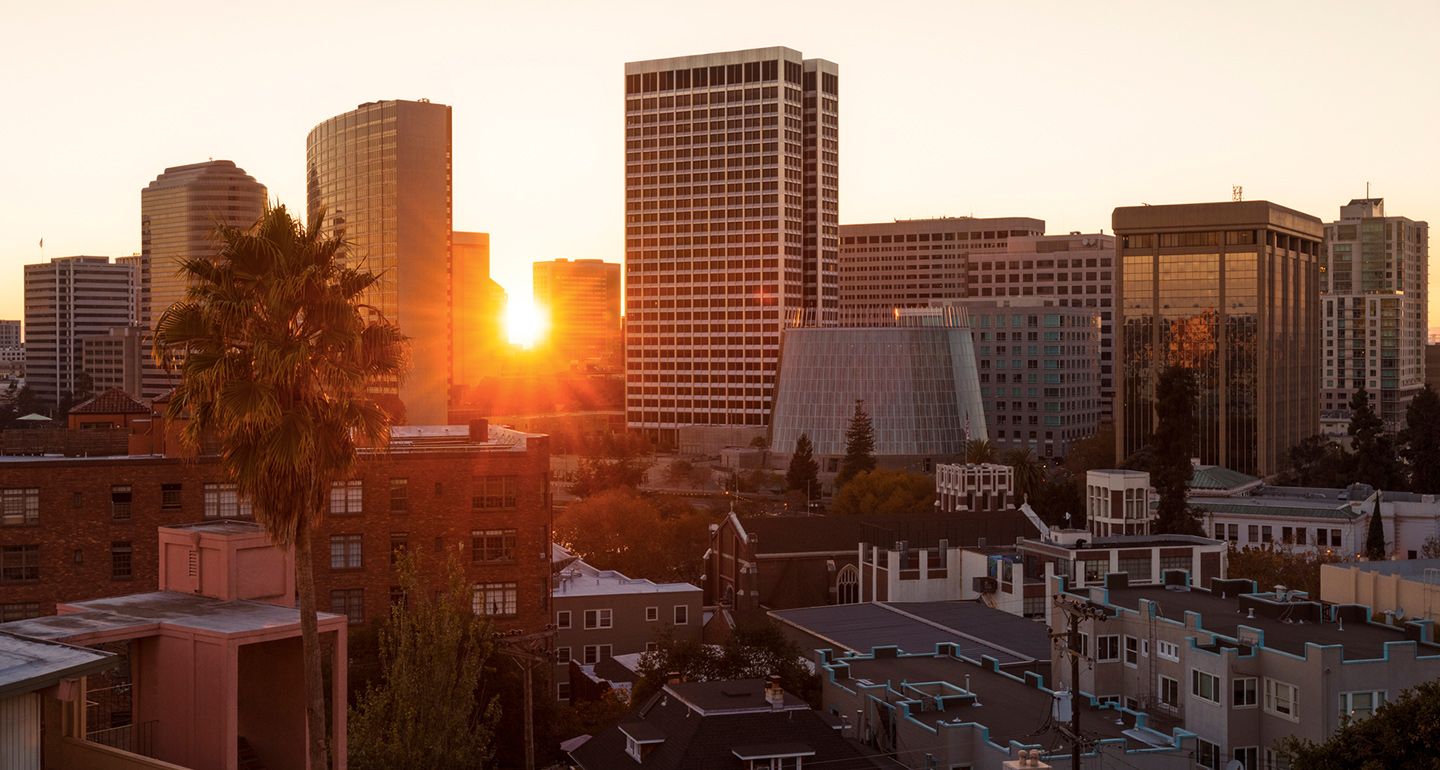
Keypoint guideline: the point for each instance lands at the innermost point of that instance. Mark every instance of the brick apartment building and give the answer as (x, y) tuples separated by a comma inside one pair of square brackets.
[(76, 528)]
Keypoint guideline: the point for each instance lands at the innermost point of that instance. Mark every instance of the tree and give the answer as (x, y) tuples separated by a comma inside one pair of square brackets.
[(859, 445), (752, 651), (1376, 462), (1277, 565), (678, 472), (804, 473), (1175, 439), (1421, 441), (621, 529), (979, 451), (1092, 454), (613, 461), (1430, 549), (1319, 462), (885, 492), (425, 711), (1402, 733), (1375, 537), (275, 356), (1051, 500), (1029, 471)]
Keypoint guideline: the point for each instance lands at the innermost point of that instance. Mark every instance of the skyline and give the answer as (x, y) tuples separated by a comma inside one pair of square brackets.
[(950, 110)]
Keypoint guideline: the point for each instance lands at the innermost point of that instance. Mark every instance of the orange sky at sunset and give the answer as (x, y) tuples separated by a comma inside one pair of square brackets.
[(1056, 110)]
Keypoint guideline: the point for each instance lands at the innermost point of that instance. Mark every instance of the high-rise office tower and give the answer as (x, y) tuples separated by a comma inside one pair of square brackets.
[(179, 212), (67, 300), (478, 323), (1231, 291), (731, 227), (1374, 274), (381, 174), (580, 301), (12, 349)]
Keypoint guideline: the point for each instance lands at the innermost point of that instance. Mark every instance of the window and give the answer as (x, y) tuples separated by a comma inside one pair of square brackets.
[(652, 614), (1248, 757), (399, 495), (1207, 754), (78, 500), (223, 501), (1244, 689), (597, 619), (20, 506), (120, 502), (562, 654), (494, 599), (1167, 650), (1361, 705), (493, 493), (1132, 651), (19, 563), (562, 690), (1204, 686), (1107, 649), (345, 497), (562, 619), (594, 653), (492, 546), (399, 544), (345, 552), (120, 553), (1169, 693), (170, 495), (1274, 760), (1281, 699), (349, 602), (19, 611), (682, 614)]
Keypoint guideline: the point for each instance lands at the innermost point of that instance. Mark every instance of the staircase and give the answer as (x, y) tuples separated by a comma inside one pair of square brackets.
[(248, 759)]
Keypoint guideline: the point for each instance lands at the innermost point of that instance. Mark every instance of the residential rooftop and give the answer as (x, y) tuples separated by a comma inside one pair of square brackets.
[(1406, 568), (27, 665), (579, 578), (918, 627), (169, 608)]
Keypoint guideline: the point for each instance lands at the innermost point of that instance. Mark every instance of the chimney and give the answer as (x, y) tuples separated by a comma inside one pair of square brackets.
[(673, 678), (774, 694), (479, 431)]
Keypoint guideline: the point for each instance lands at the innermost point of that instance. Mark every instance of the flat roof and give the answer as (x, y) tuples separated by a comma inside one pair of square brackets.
[(1361, 641), (580, 578), (917, 628), (1406, 568), (27, 665), (181, 610)]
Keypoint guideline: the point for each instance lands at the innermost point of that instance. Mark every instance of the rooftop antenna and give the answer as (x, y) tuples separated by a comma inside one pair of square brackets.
[(1237, 193)]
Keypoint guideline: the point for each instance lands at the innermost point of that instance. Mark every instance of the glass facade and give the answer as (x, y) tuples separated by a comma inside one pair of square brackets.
[(731, 226), (1237, 304), (920, 387)]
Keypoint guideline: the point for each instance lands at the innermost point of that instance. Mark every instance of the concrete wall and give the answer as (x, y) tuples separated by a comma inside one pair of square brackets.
[(1347, 584)]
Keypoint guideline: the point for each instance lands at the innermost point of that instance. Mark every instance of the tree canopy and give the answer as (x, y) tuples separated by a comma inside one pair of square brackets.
[(979, 451), (885, 492), (859, 445), (1421, 441), (617, 460), (1375, 535), (1376, 461), (752, 651), (1175, 440), (1401, 733), (803, 475), (621, 529), (1029, 471), (1277, 565)]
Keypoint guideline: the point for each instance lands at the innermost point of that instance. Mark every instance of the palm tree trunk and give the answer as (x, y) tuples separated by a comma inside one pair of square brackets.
[(310, 648)]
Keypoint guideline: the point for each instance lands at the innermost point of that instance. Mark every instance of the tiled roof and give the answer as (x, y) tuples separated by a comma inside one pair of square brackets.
[(1215, 477), (112, 401), (1342, 512)]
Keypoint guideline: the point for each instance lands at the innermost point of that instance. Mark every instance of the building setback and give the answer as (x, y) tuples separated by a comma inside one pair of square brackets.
[(381, 174), (581, 302), (66, 300), (1375, 279), (1230, 291), (731, 224)]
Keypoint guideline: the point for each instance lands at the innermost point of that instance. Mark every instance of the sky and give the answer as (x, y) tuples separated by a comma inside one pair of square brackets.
[(1055, 110)]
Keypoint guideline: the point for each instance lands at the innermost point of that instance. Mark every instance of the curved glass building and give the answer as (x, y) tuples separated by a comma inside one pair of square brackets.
[(918, 379)]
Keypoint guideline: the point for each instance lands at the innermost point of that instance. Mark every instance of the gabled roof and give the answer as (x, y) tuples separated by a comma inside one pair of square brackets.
[(701, 726), (1215, 477), (112, 401)]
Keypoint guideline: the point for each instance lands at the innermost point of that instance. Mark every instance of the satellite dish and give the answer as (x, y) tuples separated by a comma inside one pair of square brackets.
[(1399, 613), (1234, 764)]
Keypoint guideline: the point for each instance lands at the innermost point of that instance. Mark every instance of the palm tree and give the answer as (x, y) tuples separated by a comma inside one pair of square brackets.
[(1029, 471), (979, 451), (275, 355)]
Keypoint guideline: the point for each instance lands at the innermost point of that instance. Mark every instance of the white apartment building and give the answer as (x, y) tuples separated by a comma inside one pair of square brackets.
[(1374, 285), (66, 300), (731, 226)]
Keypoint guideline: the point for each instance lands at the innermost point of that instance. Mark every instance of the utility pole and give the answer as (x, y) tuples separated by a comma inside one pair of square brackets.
[(528, 650), (1075, 611)]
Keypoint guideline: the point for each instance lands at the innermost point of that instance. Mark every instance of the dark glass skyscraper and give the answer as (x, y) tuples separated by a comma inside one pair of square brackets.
[(731, 225), (1232, 291)]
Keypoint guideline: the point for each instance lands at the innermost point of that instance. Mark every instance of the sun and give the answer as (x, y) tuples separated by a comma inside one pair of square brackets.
[(526, 325)]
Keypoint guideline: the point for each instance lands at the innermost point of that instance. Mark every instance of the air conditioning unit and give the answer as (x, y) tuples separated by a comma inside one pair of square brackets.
[(985, 585)]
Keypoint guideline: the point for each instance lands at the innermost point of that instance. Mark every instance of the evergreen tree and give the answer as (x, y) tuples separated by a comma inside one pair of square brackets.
[(1375, 539), (1175, 439), (1029, 471), (1421, 440), (1376, 462), (803, 475), (859, 445)]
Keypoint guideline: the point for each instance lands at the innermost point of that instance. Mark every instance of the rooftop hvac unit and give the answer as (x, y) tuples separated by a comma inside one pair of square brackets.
[(985, 585)]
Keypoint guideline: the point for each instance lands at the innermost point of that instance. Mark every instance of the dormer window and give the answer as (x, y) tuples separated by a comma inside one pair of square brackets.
[(774, 756), (641, 739)]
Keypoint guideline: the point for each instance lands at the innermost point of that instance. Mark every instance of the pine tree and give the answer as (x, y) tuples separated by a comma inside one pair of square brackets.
[(1175, 436), (1376, 463), (804, 473), (1375, 539), (1421, 439), (859, 445)]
